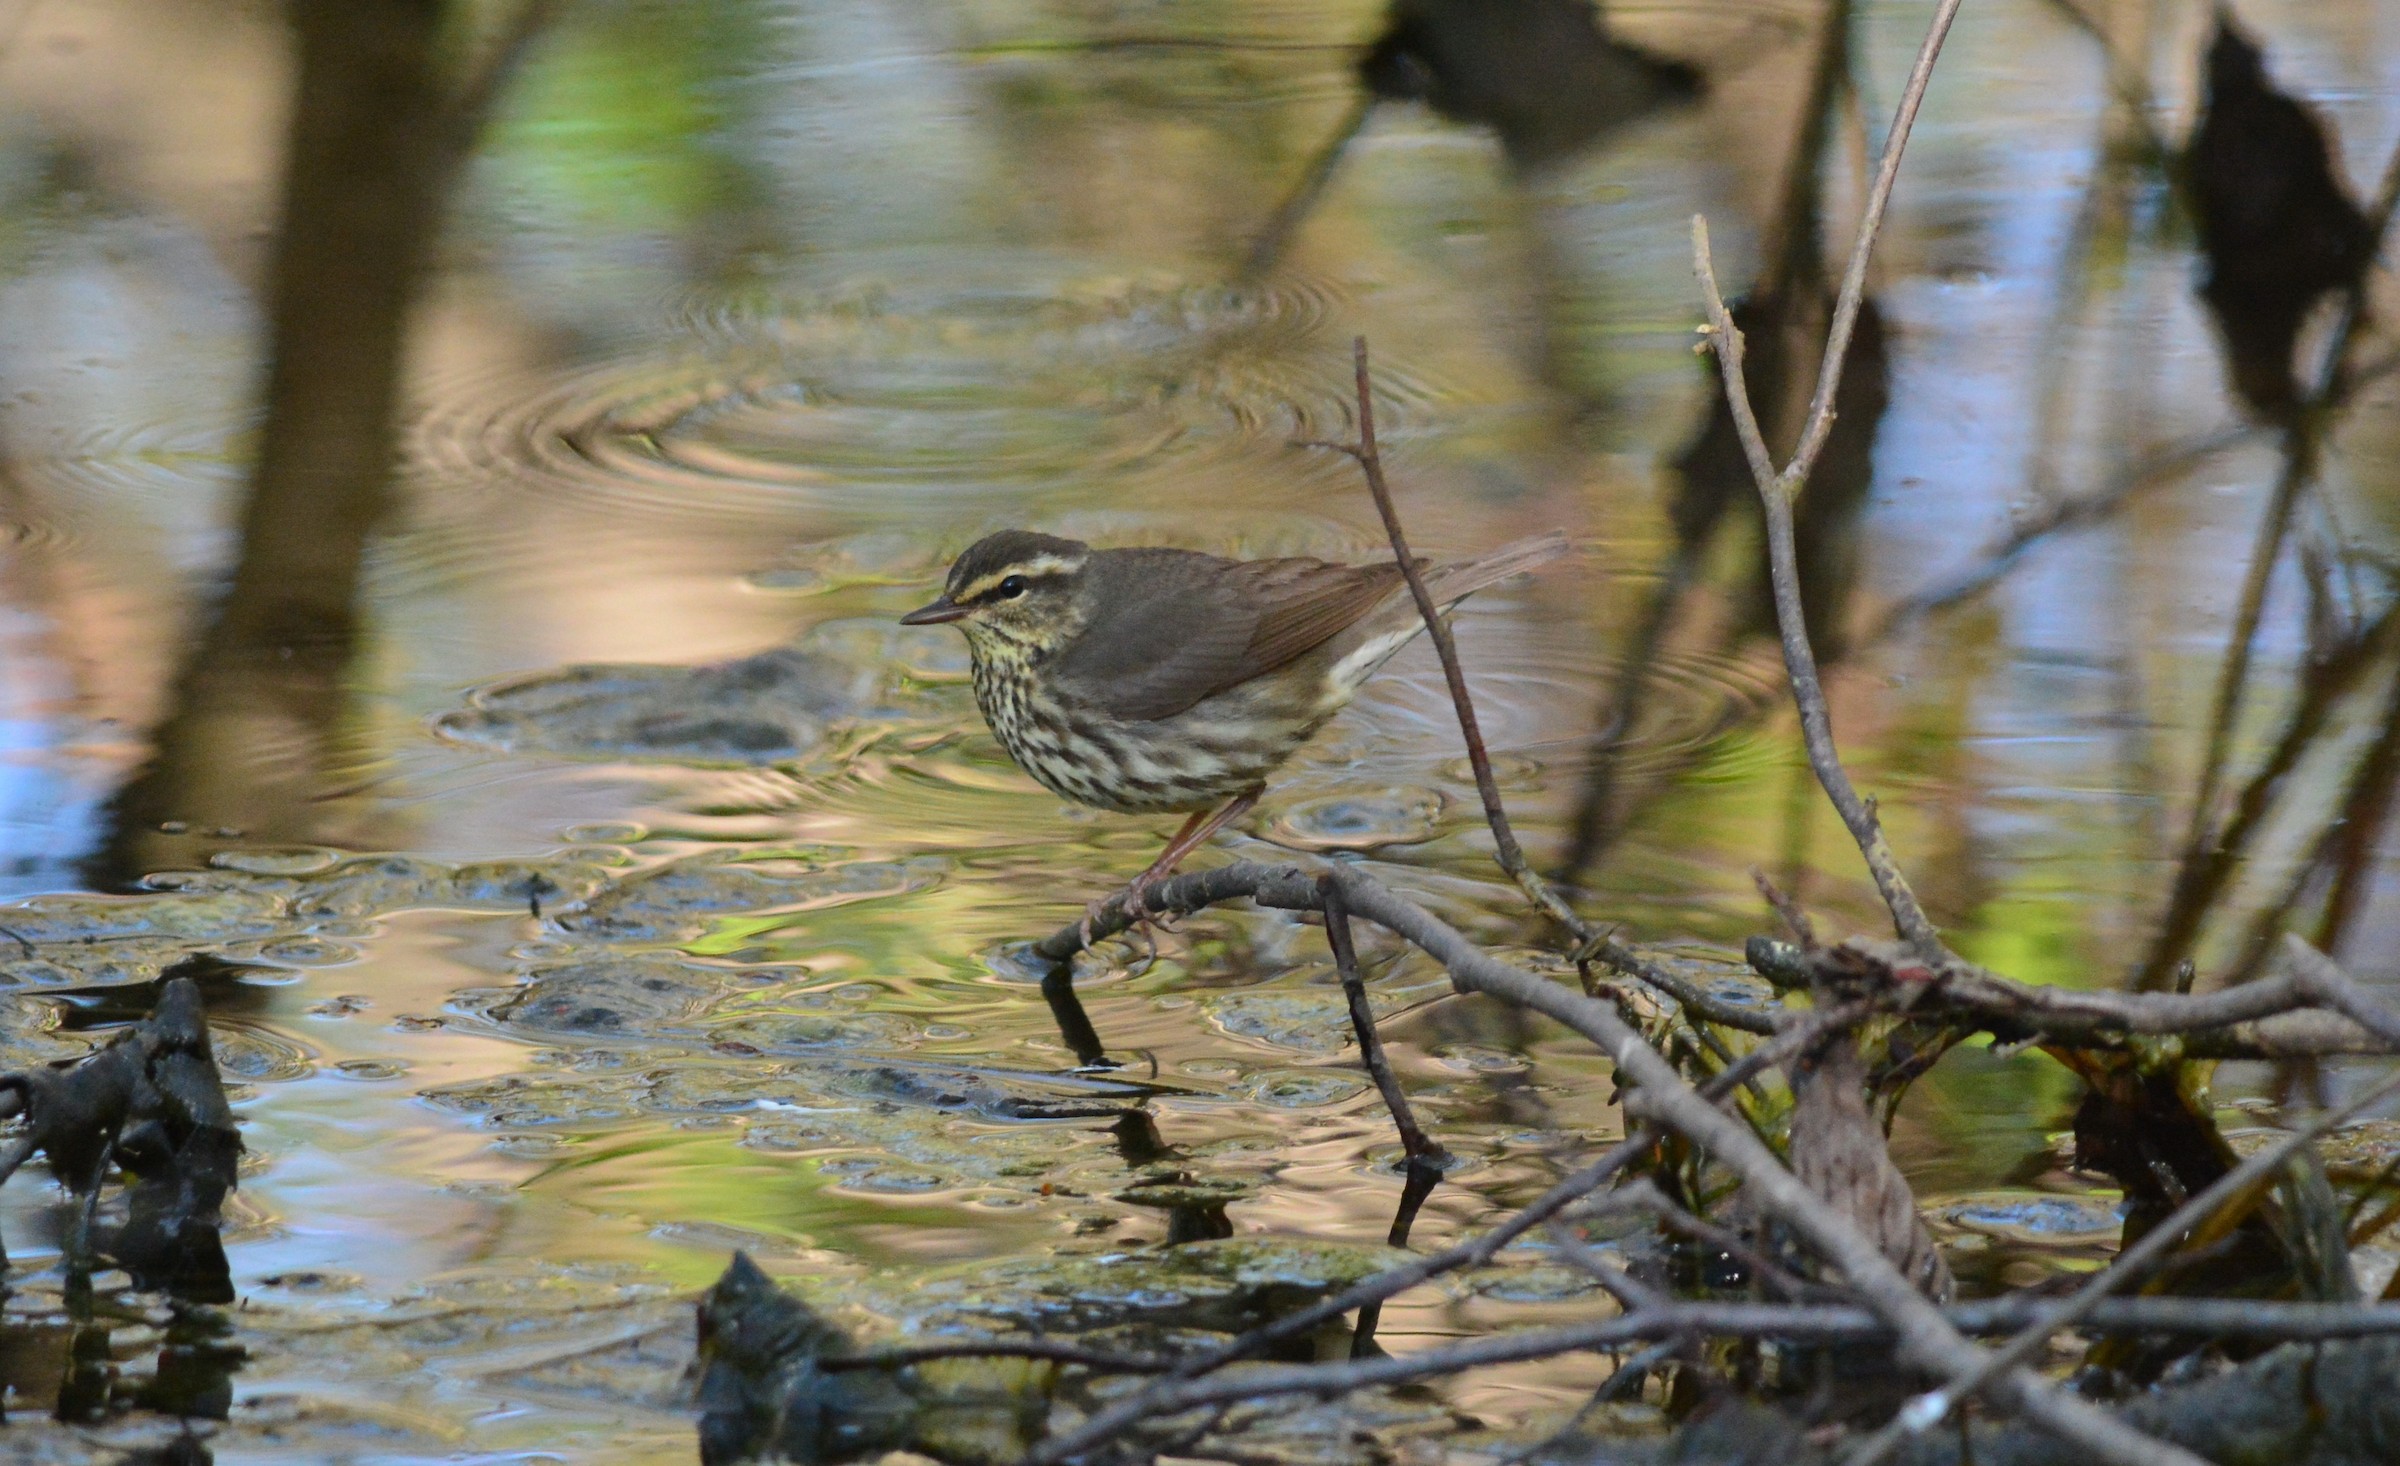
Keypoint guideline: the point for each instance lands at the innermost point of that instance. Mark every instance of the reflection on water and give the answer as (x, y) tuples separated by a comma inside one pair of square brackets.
[(615, 885)]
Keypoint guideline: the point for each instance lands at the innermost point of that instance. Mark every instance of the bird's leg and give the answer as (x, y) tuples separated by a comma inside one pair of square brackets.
[(1195, 833)]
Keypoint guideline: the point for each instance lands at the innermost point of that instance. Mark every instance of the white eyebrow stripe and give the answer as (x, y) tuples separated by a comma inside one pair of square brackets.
[(1032, 569)]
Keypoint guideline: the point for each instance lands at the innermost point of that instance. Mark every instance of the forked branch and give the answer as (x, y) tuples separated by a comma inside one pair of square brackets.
[(1777, 488)]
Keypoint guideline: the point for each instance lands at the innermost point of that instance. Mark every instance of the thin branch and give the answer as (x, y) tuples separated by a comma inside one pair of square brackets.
[(2194, 1318), (1510, 855), (2264, 1019), (1823, 1325), (1799, 659), (1776, 490), (1854, 278), (1697, 1002), (1954, 987), (1413, 1140), (1787, 909), (1928, 1410)]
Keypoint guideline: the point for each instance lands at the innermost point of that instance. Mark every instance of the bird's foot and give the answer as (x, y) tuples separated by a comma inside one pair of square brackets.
[(1137, 915), (1137, 896)]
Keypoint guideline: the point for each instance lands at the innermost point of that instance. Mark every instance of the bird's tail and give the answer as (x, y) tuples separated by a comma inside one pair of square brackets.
[(1396, 622), (1453, 583)]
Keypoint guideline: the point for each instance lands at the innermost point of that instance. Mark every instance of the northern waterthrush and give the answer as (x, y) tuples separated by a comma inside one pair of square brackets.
[(1158, 680)]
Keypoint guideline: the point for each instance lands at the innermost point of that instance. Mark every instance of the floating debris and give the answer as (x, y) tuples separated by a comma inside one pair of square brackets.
[(151, 1104)]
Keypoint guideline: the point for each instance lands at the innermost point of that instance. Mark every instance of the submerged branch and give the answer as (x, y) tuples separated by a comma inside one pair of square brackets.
[(1657, 1094)]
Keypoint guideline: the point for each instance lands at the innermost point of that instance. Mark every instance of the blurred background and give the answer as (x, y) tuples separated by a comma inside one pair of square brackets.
[(460, 463)]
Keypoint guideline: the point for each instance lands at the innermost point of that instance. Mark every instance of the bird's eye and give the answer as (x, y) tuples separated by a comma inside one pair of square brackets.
[(1011, 588)]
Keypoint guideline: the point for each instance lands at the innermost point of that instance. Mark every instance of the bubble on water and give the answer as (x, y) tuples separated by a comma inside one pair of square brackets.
[(1301, 1089), (1358, 820), (303, 860), (259, 1056)]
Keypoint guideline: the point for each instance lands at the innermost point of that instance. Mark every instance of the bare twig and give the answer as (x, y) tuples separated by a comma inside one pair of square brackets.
[(1953, 986), (2267, 1018), (1788, 911), (1777, 489), (1799, 659), (1413, 1140), (1823, 1325), (2208, 1318), (1854, 276), (1504, 839), (1696, 1002), (1928, 1410)]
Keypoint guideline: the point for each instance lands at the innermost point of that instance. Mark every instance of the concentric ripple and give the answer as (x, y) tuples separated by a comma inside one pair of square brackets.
[(1013, 381)]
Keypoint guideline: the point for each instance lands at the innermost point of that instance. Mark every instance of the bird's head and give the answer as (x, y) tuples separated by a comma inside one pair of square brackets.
[(1014, 591)]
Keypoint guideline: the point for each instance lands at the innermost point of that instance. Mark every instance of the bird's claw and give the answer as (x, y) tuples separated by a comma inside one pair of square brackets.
[(1130, 904)]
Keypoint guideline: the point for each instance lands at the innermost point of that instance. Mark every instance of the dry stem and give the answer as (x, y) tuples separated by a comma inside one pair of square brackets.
[(1777, 489), (1413, 1140), (1504, 838)]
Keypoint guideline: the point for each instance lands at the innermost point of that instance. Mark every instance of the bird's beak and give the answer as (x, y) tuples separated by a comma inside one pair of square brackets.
[(935, 614)]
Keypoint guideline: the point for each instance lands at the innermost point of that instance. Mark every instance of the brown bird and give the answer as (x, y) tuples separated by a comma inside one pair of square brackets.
[(1156, 680)]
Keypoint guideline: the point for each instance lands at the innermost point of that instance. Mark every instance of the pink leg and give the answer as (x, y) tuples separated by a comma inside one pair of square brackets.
[(1195, 833)]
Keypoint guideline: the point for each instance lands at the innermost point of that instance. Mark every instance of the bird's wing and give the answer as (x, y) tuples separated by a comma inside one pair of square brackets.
[(1306, 603), (1168, 628), (1181, 626)]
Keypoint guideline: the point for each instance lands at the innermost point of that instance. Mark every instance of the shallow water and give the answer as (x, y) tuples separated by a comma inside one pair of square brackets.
[(749, 315)]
